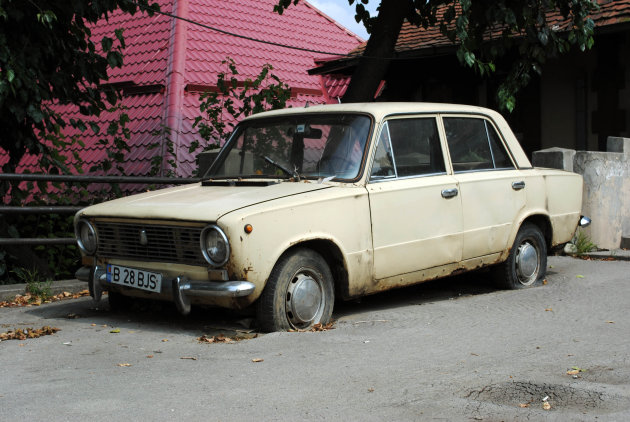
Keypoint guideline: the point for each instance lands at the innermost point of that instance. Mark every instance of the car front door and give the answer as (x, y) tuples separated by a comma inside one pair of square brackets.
[(415, 205)]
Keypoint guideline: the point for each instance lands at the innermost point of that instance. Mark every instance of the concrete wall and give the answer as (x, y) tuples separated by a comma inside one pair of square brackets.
[(606, 196)]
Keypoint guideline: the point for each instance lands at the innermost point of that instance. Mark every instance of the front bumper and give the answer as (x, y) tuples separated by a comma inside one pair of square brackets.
[(180, 288)]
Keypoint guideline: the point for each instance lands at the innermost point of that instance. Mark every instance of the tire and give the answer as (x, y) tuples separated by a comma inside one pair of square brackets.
[(526, 264), (299, 293), (117, 301)]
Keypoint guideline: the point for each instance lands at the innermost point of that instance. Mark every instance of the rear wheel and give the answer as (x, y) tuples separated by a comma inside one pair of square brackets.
[(527, 262), (299, 293)]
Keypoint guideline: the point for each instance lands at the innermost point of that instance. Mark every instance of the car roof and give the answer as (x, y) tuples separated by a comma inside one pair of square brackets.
[(380, 110)]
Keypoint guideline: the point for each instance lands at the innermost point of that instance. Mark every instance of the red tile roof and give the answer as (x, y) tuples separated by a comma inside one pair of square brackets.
[(413, 38), (147, 57)]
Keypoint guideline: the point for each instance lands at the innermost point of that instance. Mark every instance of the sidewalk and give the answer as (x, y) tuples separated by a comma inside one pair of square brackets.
[(9, 291)]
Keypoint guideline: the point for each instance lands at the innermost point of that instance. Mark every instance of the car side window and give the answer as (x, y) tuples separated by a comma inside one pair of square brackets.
[(416, 146), (383, 166), (475, 145), (412, 146)]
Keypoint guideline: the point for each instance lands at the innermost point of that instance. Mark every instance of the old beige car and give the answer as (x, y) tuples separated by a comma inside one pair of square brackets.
[(306, 205)]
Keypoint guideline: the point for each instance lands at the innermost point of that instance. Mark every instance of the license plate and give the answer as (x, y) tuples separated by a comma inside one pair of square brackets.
[(132, 277)]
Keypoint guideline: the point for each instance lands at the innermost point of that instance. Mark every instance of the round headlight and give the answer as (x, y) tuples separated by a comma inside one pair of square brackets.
[(214, 246), (86, 236)]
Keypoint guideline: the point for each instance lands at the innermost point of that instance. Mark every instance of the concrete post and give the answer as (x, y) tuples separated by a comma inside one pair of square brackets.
[(555, 158), (606, 195)]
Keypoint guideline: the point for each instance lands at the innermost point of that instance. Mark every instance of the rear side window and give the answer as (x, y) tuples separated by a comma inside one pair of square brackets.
[(475, 145), (408, 147)]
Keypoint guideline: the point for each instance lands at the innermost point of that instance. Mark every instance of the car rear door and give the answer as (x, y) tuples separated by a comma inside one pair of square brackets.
[(492, 190)]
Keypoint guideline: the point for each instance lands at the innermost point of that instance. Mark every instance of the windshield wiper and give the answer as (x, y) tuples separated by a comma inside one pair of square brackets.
[(283, 168)]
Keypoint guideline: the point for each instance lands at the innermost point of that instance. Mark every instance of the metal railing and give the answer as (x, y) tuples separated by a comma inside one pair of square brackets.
[(64, 209)]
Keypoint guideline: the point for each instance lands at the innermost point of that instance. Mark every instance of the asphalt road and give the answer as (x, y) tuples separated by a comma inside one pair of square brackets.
[(453, 349)]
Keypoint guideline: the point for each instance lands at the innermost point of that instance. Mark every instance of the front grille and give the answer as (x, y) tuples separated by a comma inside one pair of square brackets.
[(174, 244)]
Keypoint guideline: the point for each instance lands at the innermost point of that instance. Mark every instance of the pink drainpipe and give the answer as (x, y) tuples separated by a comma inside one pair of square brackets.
[(174, 99)]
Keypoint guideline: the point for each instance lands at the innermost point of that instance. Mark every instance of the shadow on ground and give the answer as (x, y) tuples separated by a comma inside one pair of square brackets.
[(163, 317), (449, 288)]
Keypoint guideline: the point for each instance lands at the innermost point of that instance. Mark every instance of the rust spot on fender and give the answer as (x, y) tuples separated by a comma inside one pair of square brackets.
[(245, 271)]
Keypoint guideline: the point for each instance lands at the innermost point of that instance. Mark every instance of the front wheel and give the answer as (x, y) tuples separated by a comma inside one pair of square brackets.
[(527, 262), (299, 293)]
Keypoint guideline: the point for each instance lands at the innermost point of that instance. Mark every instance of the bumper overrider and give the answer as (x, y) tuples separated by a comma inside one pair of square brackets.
[(180, 288)]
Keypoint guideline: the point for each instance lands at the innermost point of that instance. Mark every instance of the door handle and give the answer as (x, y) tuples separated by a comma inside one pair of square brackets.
[(449, 193), (518, 185)]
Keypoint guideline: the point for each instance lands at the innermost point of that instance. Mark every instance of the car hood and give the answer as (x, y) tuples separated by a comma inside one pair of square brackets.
[(197, 202)]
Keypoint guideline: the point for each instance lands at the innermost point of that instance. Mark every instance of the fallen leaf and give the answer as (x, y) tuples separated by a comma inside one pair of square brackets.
[(523, 405), (371, 390), (115, 331), (545, 282), (610, 322), (124, 364), (220, 338), (23, 334), (164, 340), (322, 327), (257, 360), (93, 325), (579, 276), (149, 356), (573, 372), (189, 357), (28, 299), (546, 406), (548, 310)]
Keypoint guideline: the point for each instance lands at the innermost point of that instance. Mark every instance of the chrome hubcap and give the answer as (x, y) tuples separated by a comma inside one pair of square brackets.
[(304, 300), (527, 263)]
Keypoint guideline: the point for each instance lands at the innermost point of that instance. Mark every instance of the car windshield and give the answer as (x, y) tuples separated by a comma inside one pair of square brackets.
[(296, 146)]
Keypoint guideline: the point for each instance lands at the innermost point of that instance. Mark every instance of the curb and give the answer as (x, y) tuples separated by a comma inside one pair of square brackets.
[(9, 291), (616, 254)]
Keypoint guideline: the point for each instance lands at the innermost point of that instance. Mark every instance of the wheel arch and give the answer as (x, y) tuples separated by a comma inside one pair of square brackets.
[(333, 256), (544, 224)]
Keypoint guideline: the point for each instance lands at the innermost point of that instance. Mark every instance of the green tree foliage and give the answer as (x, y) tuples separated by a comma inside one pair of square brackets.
[(485, 31), (235, 100), (48, 56)]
